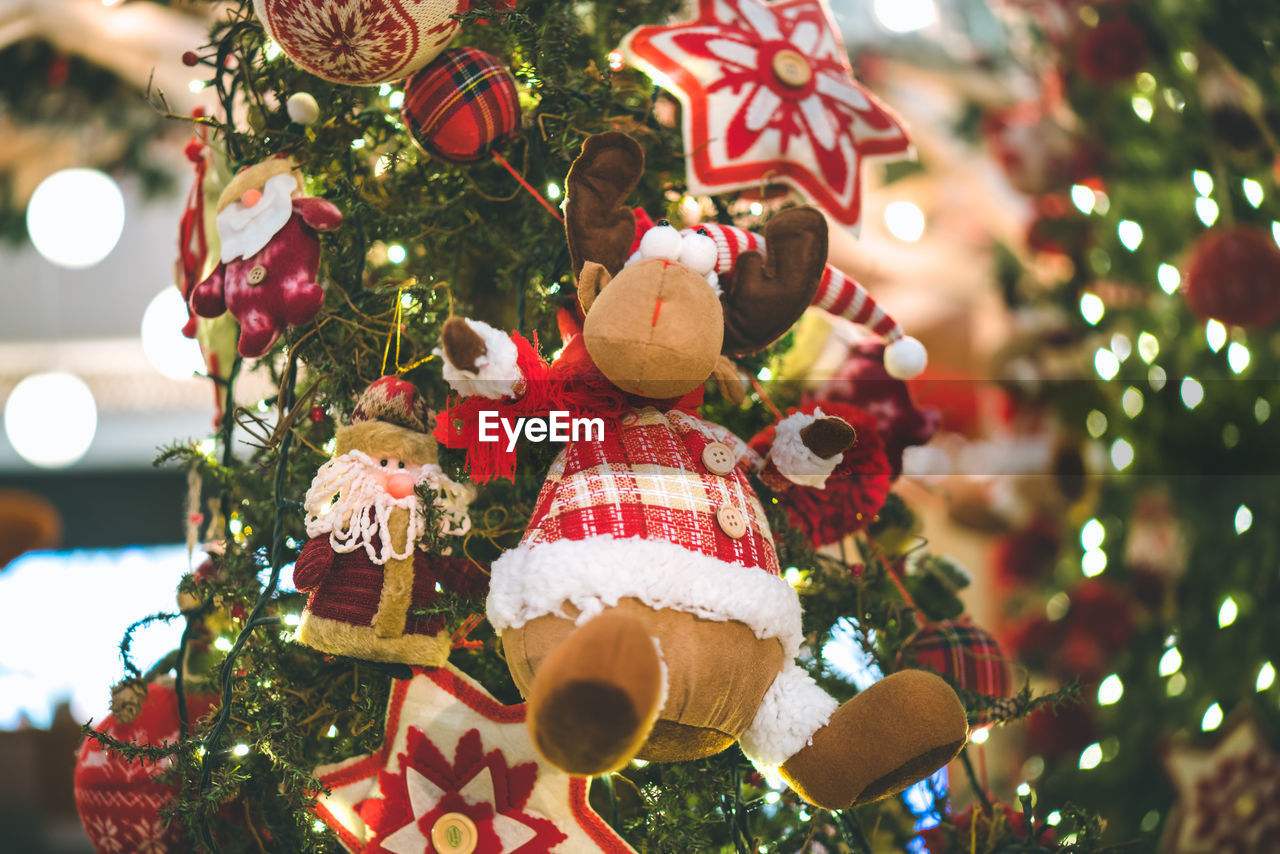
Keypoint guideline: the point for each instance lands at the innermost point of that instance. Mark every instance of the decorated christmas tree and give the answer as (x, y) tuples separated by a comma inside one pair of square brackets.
[(436, 231)]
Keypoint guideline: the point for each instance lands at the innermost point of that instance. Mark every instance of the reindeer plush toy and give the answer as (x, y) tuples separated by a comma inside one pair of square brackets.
[(643, 615)]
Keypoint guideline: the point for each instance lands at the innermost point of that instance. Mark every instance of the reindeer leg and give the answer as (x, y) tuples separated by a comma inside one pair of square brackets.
[(597, 695)]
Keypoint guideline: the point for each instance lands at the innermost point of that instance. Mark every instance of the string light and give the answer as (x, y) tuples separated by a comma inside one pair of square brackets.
[(1252, 192), (1092, 308), (979, 736), (317, 826), (1092, 563), (332, 733), (1170, 662), (395, 100), (1083, 199), (1215, 335), (384, 90), (553, 191), (1121, 346), (1238, 357), (905, 221), (1168, 277), (1227, 613), (1266, 677), (1131, 402), (1212, 718), (240, 750), (1192, 393), (1106, 363), (1110, 691), (1092, 535), (1156, 378), (1091, 757), (1207, 210), (1053, 819), (1244, 518), (1176, 685), (1121, 454), (1150, 820), (1261, 410), (1096, 423), (222, 644), (1275, 232), (1189, 60), (396, 253), (1203, 182), (1143, 108), (271, 50), (1024, 790), (1130, 234)]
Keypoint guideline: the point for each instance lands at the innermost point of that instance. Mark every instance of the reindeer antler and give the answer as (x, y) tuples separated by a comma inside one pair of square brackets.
[(763, 297), (598, 224)]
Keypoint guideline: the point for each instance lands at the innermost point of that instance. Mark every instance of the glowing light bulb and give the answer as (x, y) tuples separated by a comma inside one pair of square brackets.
[(1148, 347), (1092, 534), (1130, 234), (1244, 518), (1093, 563), (1212, 718), (1227, 613), (396, 253), (1106, 363), (1024, 790), (1121, 454), (1082, 198), (979, 736), (1252, 192), (222, 644), (1110, 691), (1169, 278), (904, 16), (271, 50), (1237, 357), (50, 419), (1091, 757), (170, 352), (553, 191), (1192, 393), (1096, 423), (1143, 108), (1092, 308), (1266, 677), (75, 217), (1203, 182), (904, 220), (1215, 335), (1207, 210), (1170, 662), (240, 750), (1131, 402)]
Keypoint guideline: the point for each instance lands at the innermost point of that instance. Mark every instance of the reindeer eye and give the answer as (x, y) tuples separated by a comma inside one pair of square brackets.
[(402, 464), (383, 463), (663, 222), (703, 231)]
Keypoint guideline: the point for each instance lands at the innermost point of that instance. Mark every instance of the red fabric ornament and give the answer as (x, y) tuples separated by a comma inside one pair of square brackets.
[(988, 829), (863, 382), (316, 414), (119, 800), (1082, 644), (1062, 731), (1113, 51), (462, 106), (854, 492), (769, 95), (1027, 556), (1234, 276), (365, 43), (964, 655)]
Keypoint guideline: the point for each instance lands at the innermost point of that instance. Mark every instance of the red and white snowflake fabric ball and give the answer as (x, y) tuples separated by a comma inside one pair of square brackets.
[(120, 800), (360, 42)]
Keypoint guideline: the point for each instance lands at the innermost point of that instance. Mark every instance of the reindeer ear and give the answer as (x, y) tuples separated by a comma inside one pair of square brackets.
[(764, 296), (591, 282), (598, 224)]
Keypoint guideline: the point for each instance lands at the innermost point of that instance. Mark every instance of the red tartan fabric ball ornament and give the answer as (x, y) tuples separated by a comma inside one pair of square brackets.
[(1114, 50), (854, 492), (963, 654), (1234, 276), (462, 106), (119, 800)]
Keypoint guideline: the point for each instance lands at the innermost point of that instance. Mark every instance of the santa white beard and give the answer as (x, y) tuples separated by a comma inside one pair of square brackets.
[(347, 501), (244, 231)]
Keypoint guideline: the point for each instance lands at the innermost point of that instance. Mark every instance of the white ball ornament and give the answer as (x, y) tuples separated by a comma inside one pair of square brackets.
[(905, 358), (360, 44), (302, 108)]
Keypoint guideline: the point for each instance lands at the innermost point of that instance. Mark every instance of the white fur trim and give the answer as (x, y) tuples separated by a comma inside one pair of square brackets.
[(661, 241), (794, 708), (593, 574), (905, 358), (795, 462), (244, 231), (698, 252), (497, 372)]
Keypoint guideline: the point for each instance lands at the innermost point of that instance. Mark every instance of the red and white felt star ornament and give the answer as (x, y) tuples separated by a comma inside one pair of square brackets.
[(769, 96), (456, 774)]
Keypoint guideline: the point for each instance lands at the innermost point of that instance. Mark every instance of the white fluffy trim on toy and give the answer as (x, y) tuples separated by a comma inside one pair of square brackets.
[(796, 462), (595, 573), (496, 373), (794, 708)]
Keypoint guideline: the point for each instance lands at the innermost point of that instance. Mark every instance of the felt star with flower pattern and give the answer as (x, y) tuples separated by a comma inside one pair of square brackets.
[(769, 96), (455, 755)]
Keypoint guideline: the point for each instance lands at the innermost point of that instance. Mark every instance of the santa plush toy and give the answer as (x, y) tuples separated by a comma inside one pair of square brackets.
[(373, 585), (266, 275)]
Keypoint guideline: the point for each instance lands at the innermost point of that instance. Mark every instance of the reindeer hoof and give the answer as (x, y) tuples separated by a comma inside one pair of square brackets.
[(829, 436), (463, 346), (596, 696)]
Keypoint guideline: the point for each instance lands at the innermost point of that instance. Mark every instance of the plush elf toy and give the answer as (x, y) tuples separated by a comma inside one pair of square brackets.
[(270, 256), (372, 584), (643, 614)]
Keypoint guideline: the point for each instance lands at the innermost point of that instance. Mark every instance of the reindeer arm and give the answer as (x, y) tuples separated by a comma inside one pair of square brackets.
[(806, 449), (480, 361)]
